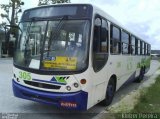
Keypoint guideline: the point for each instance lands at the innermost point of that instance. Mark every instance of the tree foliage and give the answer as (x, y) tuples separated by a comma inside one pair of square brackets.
[(6, 9), (49, 2), (2, 25), (15, 7)]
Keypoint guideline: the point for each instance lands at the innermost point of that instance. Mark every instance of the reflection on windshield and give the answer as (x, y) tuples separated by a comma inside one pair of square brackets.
[(64, 49), (29, 44)]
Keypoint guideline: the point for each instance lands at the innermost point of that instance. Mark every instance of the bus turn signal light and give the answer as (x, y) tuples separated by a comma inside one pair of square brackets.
[(83, 81)]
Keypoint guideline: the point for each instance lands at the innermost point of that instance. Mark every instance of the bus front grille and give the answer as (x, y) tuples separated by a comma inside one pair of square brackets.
[(42, 85), (41, 97)]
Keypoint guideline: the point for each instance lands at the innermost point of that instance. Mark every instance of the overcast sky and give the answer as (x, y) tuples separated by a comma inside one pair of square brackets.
[(140, 16)]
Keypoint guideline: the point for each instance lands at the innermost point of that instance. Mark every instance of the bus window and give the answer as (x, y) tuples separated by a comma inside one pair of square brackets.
[(138, 47), (141, 45), (125, 42), (148, 49), (104, 36), (100, 49), (133, 43), (144, 48), (115, 40)]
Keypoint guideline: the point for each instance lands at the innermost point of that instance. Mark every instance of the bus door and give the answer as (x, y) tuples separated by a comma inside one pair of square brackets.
[(34, 40), (100, 57)]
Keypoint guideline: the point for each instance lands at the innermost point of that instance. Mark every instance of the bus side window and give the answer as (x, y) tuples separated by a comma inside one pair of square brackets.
[(138, 47), (125, 42), (115, 43), (132, 46), (149, 49), (141, 47), (104, 37), (100, 43)]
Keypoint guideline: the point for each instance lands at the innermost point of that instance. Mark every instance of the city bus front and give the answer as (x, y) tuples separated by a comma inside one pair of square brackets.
[(52, 47)]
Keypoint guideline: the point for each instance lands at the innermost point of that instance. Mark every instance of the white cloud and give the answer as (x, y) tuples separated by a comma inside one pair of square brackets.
[(30, 3)]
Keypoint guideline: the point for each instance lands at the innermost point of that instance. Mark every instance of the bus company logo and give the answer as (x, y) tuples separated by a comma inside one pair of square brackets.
[(69, 104), (53, 58), (50, 58)]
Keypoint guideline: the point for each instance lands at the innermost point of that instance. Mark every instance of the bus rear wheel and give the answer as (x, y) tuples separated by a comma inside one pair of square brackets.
[(111, 88), (141, 75)]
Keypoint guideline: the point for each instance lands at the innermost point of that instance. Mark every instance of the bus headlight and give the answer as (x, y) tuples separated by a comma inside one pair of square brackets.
[(76, 85), (68, 88)]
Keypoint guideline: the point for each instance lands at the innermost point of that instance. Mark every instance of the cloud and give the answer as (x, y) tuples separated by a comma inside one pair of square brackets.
[(30, 3)]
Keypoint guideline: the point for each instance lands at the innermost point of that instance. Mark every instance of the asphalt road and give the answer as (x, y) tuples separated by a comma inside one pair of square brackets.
[(24, 109)]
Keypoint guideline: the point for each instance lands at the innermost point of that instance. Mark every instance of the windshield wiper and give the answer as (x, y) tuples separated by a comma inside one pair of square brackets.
[(55, 33)]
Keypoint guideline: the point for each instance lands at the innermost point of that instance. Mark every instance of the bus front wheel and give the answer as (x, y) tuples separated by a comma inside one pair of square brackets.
[(111, 88)]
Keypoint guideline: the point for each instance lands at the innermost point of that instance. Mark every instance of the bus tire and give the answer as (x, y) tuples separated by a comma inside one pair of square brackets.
[(110, 91), (141, 75)]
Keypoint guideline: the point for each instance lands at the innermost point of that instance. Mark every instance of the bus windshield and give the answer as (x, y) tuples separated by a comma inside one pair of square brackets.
[(57, 45)]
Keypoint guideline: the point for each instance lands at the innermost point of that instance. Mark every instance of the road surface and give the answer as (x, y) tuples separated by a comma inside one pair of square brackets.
[(23, 109)]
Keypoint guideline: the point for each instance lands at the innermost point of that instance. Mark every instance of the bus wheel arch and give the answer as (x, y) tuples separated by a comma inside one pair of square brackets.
[(110, 91)]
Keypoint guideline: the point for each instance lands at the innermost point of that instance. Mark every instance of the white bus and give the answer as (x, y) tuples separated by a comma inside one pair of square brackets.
[(74, 56)]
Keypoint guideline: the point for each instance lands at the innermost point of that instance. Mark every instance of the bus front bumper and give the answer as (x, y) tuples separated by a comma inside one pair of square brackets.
[(77, 100)]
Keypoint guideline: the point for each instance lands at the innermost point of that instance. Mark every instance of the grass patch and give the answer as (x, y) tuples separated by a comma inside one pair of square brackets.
[(149, 101)]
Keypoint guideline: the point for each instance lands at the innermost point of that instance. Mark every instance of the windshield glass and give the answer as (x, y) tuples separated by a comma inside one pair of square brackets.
[(29, 44), (59, 45)]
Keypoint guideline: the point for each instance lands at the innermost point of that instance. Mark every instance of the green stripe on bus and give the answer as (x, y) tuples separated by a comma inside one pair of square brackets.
[(61, 79)]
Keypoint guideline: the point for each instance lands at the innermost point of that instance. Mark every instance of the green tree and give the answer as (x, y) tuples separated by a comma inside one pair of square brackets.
[(48, 2), (15, 7), (2, 25)]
